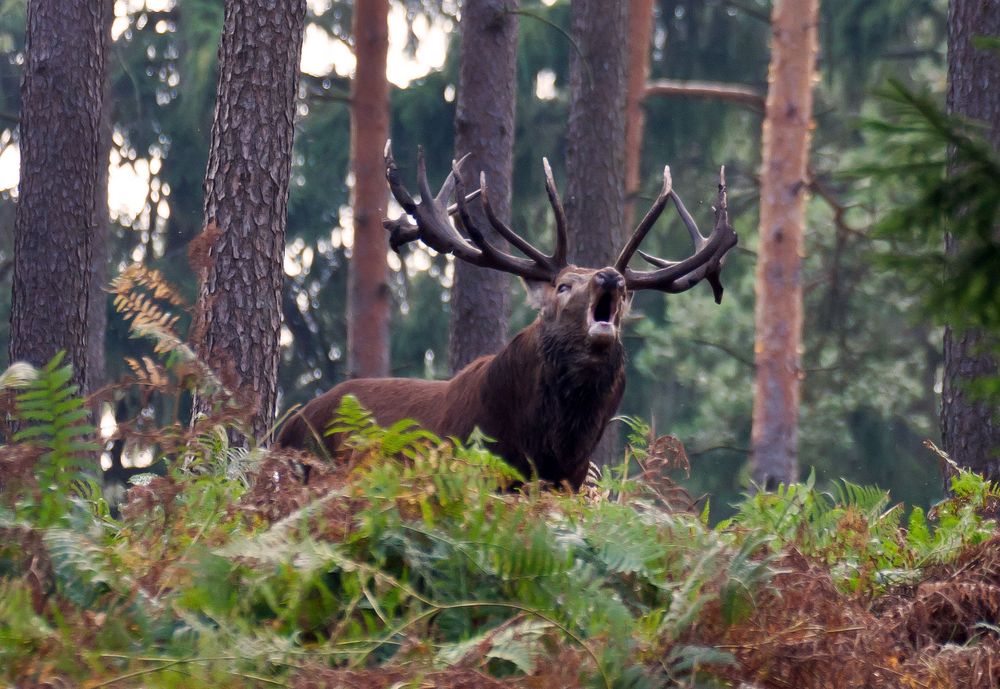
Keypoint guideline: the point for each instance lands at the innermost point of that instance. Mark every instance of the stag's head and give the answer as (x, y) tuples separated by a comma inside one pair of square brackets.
[(583, 305), (578, 306)]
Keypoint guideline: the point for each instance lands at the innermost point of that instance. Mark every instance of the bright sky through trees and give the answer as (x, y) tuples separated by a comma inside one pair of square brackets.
[(321, 55)]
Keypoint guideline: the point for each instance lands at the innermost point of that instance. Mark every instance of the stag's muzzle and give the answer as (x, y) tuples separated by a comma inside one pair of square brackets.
[(607, 291)]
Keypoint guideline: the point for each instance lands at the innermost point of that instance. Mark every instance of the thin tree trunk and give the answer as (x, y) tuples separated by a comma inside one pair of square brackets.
[(100, 255), (778, 313), (595, 154), (246, 196), (640, 28), (60, 156), (484, 128), (368, 273), (969, 429)]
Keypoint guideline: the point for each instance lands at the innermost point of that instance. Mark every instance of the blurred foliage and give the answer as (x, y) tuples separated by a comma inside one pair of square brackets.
[(955, 177), (868, 395)]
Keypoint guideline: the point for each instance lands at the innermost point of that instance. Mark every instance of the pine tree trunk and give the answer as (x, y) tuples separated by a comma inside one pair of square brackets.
[(640, 28), (100, 254), (778, 313), (484, 128), (61, 100), (595, 154), (368, 274), (969, 429), (246, 197)]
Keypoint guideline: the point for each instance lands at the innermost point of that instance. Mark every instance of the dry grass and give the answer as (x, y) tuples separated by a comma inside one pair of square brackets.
[(806, 634)]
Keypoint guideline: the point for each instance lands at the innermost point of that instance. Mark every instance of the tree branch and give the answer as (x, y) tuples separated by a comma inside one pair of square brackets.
[(761, 15), (726, 349), (715, 448), (733, 93)]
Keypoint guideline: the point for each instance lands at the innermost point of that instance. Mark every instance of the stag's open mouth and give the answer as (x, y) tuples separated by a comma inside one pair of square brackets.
[(602, 325)]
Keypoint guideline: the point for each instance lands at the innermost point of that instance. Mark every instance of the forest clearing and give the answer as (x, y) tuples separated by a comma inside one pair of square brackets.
[(273, 411)]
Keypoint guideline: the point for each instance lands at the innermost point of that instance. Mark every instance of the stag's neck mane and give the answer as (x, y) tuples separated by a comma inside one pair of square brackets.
[(557, 396)]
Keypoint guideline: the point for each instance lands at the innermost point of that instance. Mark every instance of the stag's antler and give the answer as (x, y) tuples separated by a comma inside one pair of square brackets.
[(434, 228), (709, 252)]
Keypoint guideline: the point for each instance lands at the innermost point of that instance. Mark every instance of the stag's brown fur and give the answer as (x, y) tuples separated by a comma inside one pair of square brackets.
[(545, 398)]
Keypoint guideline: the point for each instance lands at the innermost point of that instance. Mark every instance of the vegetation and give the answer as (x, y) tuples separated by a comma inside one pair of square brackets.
[(956, 286), (231, 570)]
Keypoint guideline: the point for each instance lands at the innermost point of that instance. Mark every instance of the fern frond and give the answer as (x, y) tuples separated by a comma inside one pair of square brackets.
[(53, 419), (18, 375), (519, 642), (83, 572)]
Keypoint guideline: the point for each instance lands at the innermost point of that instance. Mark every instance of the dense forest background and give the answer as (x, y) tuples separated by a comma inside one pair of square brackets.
[(859, 553), (871, 360)]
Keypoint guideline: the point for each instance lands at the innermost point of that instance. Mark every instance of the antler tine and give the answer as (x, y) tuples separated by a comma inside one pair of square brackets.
[(704, 264), (401, 230), (692, 227), (433, 226), (471, 196), (562, 233), (504, 230), (448, 188), (722, 209), (492, 257), (399, 191), (721, 219), (435, 229), (647, 222), (422, 184)]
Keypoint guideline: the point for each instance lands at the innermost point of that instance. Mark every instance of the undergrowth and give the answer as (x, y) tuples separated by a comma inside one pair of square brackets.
[(234, 570), (216, 576)]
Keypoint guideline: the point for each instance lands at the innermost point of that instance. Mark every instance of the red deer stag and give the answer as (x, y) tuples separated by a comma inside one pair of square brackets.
[(547, 396)]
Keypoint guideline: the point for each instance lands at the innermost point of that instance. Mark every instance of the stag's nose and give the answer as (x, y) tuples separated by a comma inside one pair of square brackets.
[(609, 279)]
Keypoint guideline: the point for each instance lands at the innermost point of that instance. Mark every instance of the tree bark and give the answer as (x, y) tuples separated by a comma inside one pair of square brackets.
[(595, 152), (969, 429), (368, 273), (484, 128), (61, 100), (640, 28), (778, 312), (100, 255), (246, 196), (595, 155)]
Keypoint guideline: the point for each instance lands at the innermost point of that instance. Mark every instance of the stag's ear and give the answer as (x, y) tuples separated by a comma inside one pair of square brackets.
[(539, 292)]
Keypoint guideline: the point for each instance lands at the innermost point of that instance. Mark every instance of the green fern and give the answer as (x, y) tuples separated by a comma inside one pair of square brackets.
[(23, 633), (53, 419), (520, 644)]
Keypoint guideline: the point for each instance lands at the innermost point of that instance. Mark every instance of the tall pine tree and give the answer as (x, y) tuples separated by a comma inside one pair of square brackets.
[(367, 287), (246, 197), (595, 154), (778, 312), (484, 128), (969, 428), (61, 101)]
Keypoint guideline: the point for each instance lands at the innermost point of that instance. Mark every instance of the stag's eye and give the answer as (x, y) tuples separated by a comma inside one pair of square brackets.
[(564, 288)]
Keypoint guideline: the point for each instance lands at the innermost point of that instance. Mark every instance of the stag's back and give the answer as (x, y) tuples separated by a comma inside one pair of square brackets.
[(388, 399), (446, 408)]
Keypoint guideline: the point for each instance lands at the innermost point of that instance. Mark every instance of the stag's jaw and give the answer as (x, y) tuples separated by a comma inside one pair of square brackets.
[(603, 317)]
